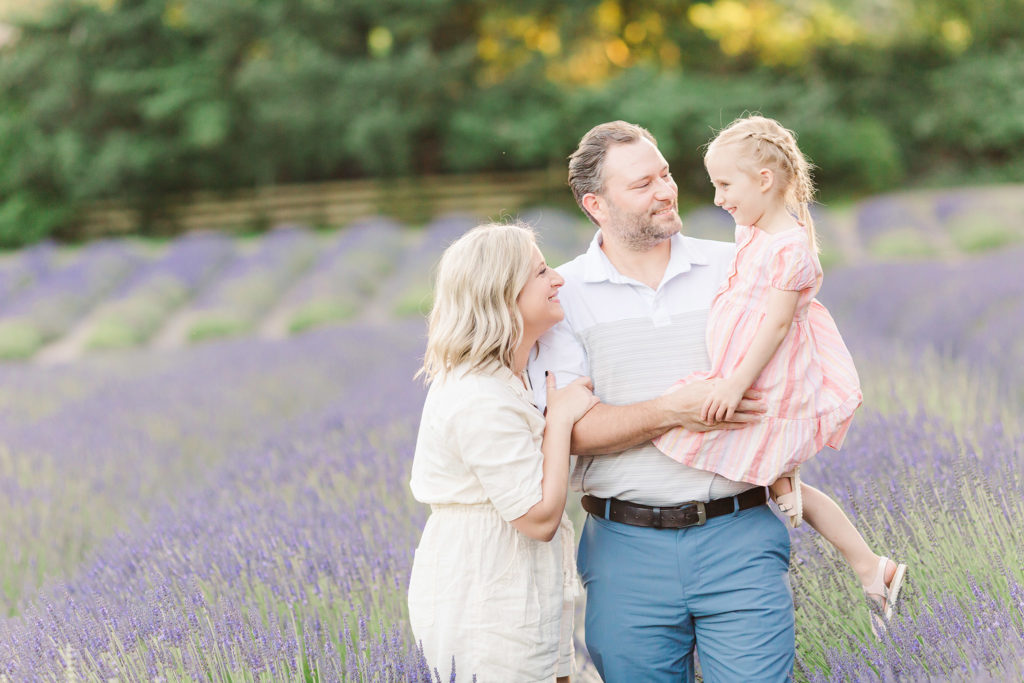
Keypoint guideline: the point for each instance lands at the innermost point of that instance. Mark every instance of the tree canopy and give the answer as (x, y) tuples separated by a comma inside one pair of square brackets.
[(140, 99)]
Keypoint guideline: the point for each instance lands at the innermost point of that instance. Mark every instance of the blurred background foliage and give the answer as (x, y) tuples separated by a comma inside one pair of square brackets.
[(139, 100)]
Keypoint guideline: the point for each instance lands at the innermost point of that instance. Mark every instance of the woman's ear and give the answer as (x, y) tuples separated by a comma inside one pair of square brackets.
[(766, 179)]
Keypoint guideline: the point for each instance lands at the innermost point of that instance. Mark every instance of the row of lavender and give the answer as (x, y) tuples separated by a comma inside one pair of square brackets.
[(970, 308), (229, 511), (217, 285), (125, 294), (118, 295), (920, 224), (240, 512)]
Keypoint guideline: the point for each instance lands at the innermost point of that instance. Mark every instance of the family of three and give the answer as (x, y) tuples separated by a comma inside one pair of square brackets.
[(688, 378)]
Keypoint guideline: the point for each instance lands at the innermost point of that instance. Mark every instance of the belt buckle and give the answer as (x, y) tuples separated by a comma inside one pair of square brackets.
[(702, 514)]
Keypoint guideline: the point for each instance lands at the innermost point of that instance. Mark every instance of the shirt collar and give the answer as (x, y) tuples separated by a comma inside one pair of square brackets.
[(685, 253)]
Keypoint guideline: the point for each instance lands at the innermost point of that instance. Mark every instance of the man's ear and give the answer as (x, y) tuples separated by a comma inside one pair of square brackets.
[(766, 179), (595, 206)]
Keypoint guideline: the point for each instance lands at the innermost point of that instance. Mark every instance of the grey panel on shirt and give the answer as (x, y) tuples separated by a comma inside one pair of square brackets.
[(634, 360)]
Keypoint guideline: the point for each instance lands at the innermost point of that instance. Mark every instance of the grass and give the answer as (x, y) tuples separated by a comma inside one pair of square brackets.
[(216, 324), (113, 334), (982, 233), (902, 243), (415, 300), (318, 313), (19, 339)]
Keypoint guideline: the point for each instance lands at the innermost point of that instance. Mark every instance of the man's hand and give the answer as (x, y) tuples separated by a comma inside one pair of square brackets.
[(688, 401)]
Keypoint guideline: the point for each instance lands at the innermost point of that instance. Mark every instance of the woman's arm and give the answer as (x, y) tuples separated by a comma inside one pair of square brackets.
[(724, 398), (541, 521), (564, 407)]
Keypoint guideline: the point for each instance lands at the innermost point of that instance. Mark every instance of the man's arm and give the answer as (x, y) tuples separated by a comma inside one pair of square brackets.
[(612, 429)]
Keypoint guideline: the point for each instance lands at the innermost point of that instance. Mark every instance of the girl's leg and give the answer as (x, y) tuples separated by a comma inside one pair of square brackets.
[(828, 519)]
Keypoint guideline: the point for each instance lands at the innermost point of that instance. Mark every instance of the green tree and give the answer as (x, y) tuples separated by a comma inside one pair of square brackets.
[(147, 98)]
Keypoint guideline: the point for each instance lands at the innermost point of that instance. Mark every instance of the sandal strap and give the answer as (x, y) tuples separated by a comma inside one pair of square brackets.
[(877, 586)]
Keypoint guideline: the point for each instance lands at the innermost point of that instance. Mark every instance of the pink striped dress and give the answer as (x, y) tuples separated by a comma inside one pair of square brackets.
[(810, 385)]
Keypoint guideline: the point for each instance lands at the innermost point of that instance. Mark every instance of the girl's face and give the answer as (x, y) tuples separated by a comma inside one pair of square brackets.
[(745, 195), (538, 300)]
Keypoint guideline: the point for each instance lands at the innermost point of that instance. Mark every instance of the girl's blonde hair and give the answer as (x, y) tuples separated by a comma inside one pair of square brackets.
[(475, 319), (765, 143)]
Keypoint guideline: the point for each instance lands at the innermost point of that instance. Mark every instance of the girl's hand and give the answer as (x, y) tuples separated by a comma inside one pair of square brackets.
[(721, 403), (572, 401)]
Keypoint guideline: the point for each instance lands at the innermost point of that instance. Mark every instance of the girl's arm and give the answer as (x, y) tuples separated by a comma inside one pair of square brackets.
[(724, 397)]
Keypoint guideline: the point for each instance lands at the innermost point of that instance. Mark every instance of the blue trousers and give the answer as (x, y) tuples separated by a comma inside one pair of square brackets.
[(655, 594)]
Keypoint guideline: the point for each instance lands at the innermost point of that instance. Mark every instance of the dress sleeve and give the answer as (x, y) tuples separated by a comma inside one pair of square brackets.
[(793, 267), (497, 445)]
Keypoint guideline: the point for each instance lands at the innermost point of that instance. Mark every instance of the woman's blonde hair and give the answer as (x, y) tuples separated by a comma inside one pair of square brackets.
[(765, 143), (475, 319)]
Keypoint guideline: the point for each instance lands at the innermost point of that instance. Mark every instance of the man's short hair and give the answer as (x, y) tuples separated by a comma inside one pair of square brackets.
[(586, 164)]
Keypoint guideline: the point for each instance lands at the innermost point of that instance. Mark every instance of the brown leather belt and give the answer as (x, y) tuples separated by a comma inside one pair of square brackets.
[(694, 513)]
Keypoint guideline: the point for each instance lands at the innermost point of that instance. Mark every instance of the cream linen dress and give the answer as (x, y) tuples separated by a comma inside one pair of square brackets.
[(498, 601)]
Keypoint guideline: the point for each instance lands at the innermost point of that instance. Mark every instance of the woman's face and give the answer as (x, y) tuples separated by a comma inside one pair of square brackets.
[(538, 300)]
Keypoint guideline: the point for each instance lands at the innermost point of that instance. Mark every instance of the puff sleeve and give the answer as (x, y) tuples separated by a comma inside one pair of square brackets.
[(793, 266), (496, 442)]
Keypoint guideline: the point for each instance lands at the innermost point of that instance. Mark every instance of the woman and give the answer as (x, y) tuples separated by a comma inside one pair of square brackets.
[(493, 580)]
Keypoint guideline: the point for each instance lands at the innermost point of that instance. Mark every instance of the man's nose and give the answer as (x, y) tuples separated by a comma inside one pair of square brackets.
[(667, 188)]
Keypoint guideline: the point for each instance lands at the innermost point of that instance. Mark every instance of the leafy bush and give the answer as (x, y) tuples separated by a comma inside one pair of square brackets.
[(208, 100), (981, 102), (220, 96), (853, 153)]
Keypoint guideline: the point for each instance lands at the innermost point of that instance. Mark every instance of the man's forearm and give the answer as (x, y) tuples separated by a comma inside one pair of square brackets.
[(608, 429), (612, 429)]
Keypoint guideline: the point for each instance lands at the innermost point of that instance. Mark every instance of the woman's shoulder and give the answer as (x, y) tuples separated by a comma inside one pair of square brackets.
[(478, 399), (464, 384)]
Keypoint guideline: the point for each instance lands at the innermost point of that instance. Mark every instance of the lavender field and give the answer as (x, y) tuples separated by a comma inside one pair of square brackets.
[(217, 488)]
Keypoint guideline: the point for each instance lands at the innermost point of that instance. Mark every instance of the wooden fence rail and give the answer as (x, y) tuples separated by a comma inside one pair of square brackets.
[(334, 204)]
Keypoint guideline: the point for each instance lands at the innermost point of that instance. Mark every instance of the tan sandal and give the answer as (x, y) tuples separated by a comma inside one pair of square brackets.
[(882, 599), (792, 504)]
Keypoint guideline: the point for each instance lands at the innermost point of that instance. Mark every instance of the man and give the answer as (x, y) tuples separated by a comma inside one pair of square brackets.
[(673, 558)]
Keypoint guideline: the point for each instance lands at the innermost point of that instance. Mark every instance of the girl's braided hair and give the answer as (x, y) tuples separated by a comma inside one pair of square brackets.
[(767, 144)]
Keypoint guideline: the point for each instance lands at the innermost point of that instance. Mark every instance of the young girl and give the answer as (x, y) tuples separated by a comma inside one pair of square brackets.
[(767, 332), (493, 579)]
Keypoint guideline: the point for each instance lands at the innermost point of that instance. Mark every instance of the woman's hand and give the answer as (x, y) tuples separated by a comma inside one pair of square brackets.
[(721, 403), (565, 406), (572, 401)]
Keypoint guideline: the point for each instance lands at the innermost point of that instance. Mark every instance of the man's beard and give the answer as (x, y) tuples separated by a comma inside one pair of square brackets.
[(638, 232)]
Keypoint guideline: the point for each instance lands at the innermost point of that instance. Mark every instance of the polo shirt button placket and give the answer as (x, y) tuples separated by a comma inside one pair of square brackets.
[(659, 312)]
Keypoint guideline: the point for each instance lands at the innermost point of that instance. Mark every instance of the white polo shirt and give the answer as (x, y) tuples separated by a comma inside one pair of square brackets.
[(635, 342)]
